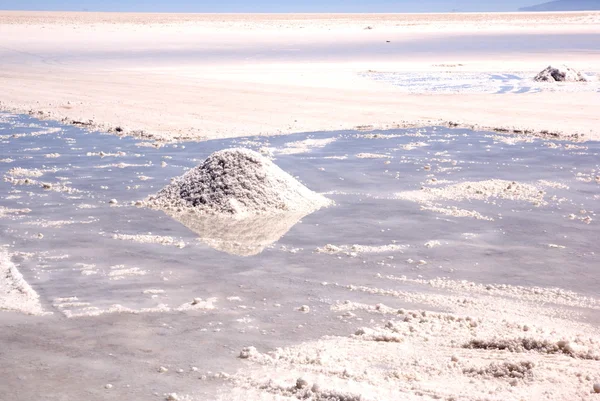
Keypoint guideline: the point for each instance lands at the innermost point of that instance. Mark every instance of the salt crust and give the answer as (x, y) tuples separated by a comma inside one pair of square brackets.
[(15, 293), (490, 341)]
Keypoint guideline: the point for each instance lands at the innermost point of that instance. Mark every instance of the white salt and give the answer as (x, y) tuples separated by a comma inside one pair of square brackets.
[(237, 183), (15, 293)]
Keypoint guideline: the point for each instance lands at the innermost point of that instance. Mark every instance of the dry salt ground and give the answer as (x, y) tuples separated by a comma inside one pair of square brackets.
[(464, 269)]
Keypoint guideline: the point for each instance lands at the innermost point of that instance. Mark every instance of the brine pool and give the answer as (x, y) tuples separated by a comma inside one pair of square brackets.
[(118, 282)]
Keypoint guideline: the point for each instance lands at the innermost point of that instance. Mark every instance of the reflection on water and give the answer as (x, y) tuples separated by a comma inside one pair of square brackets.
[(242, 237)]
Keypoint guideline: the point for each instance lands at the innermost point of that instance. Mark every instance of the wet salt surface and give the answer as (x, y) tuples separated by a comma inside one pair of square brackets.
[(79, 268)]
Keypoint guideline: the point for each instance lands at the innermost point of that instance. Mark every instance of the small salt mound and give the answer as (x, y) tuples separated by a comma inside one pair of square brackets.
[(477, 190), (238, 183), (561, 74)]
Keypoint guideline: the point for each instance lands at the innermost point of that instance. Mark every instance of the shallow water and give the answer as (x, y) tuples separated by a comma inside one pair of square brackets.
[(512, 249)]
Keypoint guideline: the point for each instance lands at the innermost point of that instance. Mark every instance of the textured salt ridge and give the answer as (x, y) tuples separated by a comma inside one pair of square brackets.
[(15, 293), (237, 183), (487, 191), (55, 187), (355, 250), (541, 295), (297, 147), (73, 307), (493, 341), (468, 353), (478, 190), (149, 239), (4, 211)]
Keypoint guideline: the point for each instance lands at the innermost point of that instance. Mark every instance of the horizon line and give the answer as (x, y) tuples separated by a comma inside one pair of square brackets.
[(300, 13)]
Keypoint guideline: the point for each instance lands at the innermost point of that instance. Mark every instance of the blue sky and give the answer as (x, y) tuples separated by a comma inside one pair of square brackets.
[(268, 5)]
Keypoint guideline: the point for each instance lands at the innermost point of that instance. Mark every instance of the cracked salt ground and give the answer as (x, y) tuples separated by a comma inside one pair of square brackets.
[(131, 290)]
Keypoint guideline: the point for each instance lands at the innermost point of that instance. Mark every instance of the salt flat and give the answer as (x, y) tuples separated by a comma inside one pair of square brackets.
[(194, 76), (420, 259)]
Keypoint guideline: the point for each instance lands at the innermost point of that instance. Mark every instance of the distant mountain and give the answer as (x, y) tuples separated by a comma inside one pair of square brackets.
[(565, 5)]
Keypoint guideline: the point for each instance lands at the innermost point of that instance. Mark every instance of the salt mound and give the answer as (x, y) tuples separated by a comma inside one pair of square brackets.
[(561, 74), (238, 183)]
